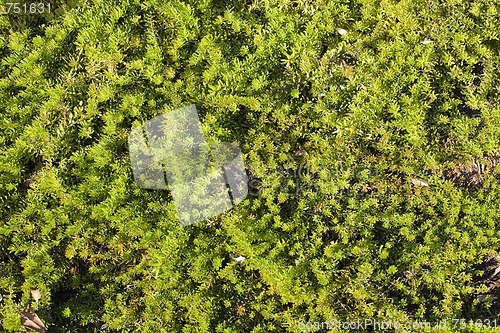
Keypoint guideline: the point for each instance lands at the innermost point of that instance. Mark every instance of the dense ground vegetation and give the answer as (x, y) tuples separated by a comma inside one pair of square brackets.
[(375, 150)]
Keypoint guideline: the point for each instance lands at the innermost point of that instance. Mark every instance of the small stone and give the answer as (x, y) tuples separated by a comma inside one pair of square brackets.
[(239, 259), (341, 31)]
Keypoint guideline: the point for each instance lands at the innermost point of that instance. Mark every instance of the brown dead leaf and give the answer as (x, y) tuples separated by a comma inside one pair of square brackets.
[(31, 322), (36, 295), (495, 273), (419, 182)]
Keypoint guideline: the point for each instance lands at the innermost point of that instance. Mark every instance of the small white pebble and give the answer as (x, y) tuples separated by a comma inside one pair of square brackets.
[(341, 31), (427, 41), (239, 259)]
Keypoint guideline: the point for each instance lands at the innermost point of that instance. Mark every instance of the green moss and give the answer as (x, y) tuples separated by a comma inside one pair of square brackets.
[(379, 113)]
